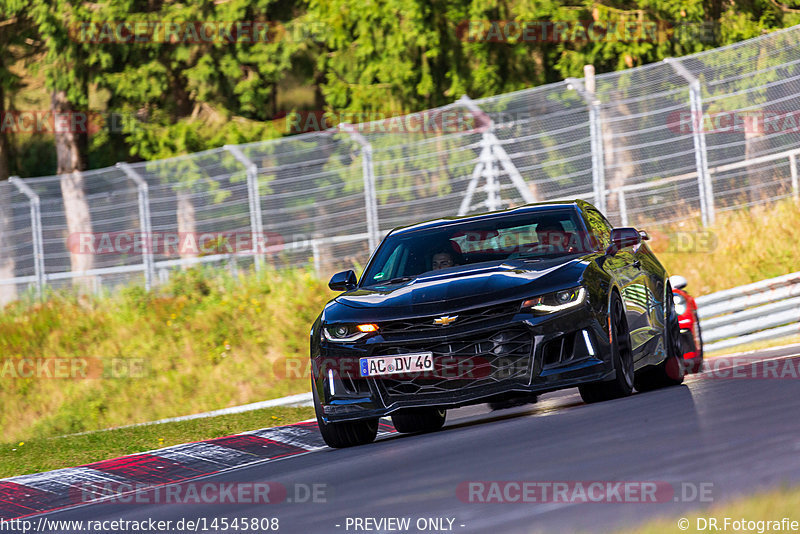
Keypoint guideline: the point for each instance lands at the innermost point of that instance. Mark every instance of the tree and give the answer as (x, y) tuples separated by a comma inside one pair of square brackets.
[(16, 29), (68, 64), (192, 93)]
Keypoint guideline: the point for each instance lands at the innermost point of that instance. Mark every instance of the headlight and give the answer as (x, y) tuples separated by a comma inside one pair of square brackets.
[(348, 332), (680, 303), (560, 300)]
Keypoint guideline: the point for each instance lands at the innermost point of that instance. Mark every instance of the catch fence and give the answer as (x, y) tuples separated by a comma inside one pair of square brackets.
[(680, 139)]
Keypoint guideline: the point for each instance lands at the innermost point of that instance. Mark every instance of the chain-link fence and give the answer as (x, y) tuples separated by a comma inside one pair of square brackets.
[(684, 138)]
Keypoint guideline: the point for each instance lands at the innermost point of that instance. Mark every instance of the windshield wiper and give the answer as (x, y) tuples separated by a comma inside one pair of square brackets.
[(400, 279)]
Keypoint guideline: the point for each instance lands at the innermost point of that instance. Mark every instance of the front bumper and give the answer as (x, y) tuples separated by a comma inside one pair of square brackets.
[(476, 363)]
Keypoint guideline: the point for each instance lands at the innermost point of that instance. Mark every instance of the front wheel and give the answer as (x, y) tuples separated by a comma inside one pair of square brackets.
[(672, 370), (621, 356), (419, 420), (345, 433)]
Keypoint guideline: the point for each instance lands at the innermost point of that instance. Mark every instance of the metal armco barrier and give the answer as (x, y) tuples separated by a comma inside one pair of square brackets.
[(763, 310)]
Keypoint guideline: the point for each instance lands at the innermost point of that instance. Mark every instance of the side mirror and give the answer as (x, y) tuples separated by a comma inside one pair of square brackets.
[(645, 236), (343, 281), (677, 281), (621, 238)]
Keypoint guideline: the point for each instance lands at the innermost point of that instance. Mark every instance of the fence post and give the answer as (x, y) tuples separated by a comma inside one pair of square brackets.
[(36, 231), (595, 133), (793, 171), (623, 207), (254, 201), (370, 194), (707, 210), (143, 194), (317, 261)]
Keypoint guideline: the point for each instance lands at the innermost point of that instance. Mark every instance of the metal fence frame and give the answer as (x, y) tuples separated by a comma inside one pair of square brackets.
[(488, 156)]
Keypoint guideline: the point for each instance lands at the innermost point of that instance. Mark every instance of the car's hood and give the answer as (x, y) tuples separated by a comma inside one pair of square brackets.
[(466, 286)]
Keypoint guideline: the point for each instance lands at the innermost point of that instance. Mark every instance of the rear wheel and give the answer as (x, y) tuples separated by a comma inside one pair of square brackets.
[(345, 433), (671, 371), (419, 420), (622, 357)]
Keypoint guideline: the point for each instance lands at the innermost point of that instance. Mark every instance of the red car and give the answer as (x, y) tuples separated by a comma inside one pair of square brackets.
[(689, 322)]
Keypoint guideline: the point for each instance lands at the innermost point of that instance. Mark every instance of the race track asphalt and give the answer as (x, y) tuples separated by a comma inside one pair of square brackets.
[(726, 436)]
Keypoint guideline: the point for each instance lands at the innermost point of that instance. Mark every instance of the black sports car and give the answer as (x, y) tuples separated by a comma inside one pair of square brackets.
[(492, 308)]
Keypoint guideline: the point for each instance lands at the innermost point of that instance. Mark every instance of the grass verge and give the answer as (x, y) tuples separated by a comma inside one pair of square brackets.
[(768, 506), (204, 341), (755, 346), (44, 454), (742, 247)]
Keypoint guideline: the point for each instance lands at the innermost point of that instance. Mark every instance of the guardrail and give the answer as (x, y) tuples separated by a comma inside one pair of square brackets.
[(162, 269), (767, 309)]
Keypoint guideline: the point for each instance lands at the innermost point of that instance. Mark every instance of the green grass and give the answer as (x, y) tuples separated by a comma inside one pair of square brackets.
[(755, 345), (747, 245), (43, 454), (769, 506), (206, 340)]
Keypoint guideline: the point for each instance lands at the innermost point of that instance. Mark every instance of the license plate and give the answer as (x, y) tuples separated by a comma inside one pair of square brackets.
[(396, 364)]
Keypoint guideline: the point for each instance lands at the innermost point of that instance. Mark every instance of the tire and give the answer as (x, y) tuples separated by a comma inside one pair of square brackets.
[(345, 433), (419, 420), (621, 356), (672, 370)]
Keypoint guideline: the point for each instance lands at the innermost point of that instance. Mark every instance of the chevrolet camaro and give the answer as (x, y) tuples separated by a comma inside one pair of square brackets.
[(492, 308)]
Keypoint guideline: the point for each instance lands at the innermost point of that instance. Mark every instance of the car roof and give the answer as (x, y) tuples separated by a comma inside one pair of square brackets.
[(527, 208)]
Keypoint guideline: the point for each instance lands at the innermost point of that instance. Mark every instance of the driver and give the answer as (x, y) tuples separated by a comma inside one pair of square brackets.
[(442, 260), (551, 234)]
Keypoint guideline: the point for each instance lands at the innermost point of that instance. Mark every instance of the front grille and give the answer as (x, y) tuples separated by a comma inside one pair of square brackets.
[(468, 362), (466, 317)]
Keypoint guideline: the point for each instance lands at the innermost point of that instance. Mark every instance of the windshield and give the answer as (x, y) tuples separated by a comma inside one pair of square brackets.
[(540, 234)]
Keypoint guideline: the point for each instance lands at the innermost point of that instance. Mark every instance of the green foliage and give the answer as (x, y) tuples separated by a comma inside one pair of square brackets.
[(195, 94), (388, 55)]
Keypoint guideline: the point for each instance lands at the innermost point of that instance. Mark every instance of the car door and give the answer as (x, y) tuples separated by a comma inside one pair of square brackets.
[(653, 276), (633, 283)]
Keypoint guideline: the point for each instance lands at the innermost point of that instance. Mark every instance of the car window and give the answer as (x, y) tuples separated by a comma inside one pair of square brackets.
[(507, 238), (392, 265), (599, 226), (539, 234)]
